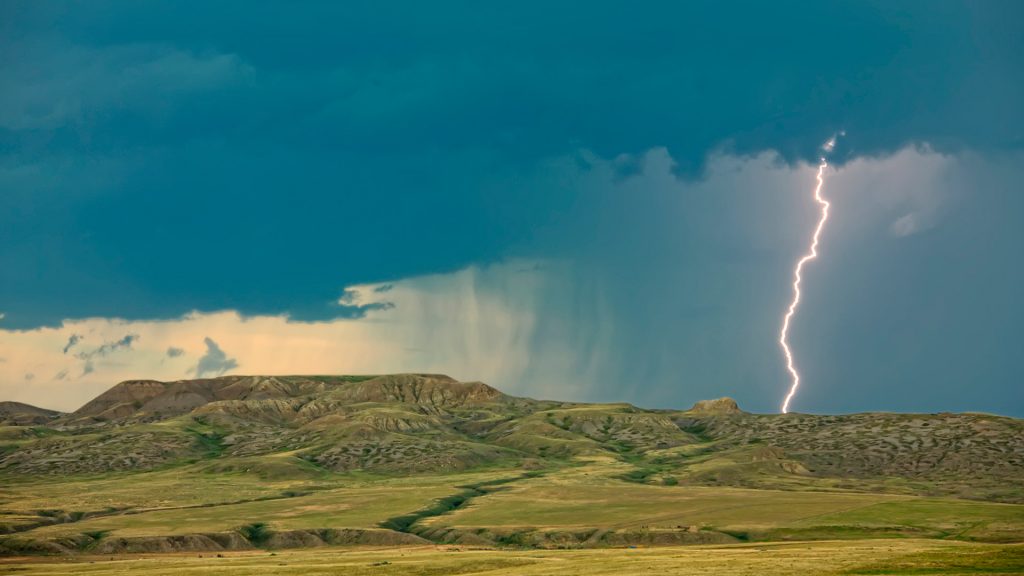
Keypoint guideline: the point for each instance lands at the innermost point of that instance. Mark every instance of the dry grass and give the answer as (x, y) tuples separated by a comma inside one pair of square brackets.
[(863, 557)]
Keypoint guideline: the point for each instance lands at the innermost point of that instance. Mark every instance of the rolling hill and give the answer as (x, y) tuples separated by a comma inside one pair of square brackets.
[(18, 414), (293, 461)]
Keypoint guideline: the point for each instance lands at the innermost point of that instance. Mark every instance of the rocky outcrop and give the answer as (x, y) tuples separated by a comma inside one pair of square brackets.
[(341, 537), (183, 543), (208, 542), (435, 392), (717, 406), (588, 538)]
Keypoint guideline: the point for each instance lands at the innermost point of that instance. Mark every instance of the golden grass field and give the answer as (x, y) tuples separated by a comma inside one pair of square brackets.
[(878, 557)]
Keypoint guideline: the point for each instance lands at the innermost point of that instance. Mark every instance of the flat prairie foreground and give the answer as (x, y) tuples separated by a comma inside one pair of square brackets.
[(878, 557)]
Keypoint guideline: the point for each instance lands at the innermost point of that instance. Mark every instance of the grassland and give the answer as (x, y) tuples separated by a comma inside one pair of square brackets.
[(583, 503), (254, 468), (180, 502), (582, 499), (917, 557)]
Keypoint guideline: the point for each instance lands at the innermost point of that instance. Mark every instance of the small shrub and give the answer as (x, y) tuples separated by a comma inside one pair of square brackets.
[(257, 533)]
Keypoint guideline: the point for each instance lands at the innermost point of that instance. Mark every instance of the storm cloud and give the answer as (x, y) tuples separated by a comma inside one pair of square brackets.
[(645, 166), (389, 134)]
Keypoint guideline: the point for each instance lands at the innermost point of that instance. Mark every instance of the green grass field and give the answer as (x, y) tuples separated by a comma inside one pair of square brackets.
[(587, 500), (183, 501), (592, 497)]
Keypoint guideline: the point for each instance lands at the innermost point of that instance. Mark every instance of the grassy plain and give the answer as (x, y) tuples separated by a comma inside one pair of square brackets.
[(918, 557), (593, 496), (585, 498), (185, 501)]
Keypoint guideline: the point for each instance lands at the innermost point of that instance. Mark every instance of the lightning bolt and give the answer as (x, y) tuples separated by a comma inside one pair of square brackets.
[(811, 255)]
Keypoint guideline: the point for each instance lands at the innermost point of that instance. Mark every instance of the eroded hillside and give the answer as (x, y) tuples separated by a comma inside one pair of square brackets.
[(411, 423)]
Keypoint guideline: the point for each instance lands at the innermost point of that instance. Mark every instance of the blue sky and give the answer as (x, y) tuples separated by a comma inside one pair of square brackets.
[(590, 201)]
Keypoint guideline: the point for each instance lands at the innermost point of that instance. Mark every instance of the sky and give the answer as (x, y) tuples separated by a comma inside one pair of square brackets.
[(588, 201)]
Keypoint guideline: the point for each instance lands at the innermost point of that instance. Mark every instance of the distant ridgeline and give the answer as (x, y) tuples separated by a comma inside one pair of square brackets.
[(424, 423)]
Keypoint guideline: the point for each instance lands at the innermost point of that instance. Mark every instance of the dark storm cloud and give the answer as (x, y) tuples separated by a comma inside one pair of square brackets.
[(676, 289), (158, 158), (358, 311), (215, 362), (391, 146), (173, 352)]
